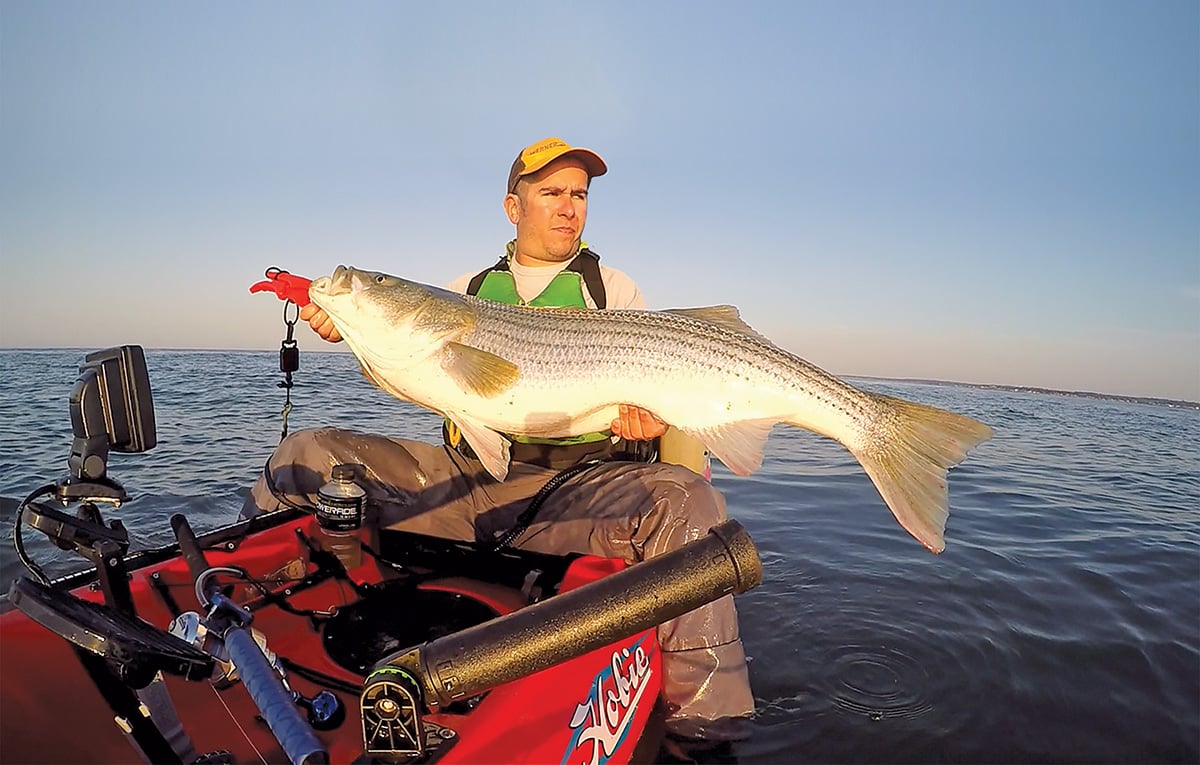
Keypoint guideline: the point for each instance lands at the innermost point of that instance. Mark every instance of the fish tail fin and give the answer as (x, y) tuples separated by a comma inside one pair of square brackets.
[(908, 464)]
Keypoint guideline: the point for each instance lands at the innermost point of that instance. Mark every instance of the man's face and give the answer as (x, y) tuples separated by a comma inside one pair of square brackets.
[(549, 209)]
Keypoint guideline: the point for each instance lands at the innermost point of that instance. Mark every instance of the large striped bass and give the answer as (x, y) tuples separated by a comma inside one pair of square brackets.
[(495, 369)]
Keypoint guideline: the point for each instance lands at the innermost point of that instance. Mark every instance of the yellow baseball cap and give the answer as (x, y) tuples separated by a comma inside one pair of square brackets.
[(536, 156)]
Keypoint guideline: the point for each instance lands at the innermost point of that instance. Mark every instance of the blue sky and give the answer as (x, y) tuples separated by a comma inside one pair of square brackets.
[(992, 192)]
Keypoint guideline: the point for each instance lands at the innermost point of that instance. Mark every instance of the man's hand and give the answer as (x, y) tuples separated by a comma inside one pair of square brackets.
[(320, 322), (636, 424)]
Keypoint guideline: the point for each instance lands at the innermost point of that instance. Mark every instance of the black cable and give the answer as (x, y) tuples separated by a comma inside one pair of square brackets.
[(19, 543), (277, 494), (535, 505)]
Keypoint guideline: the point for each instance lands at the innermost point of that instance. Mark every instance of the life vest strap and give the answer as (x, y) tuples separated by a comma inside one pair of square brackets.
[(586, 264)]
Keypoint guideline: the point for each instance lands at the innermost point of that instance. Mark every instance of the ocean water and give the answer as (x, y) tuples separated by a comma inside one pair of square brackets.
[(1061, 624)]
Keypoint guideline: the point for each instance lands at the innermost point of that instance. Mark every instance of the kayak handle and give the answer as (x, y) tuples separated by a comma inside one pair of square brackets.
[(232, 623)]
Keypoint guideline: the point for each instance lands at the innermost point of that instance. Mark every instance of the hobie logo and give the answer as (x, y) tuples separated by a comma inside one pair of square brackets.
[(602, 721)]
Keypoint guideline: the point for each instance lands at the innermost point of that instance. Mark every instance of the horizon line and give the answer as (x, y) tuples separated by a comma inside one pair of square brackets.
[(917, 380)]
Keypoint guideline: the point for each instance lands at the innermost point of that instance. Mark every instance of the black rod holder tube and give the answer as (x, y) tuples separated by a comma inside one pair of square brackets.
[(571, 624), (189, 546)]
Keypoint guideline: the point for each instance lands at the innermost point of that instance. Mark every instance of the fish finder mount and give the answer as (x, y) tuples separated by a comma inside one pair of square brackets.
[(112, 410)]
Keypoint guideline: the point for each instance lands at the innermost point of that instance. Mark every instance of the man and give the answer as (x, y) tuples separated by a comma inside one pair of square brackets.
[(618, 508)]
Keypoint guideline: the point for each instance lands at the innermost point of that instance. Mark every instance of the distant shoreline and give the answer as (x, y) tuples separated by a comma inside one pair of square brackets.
[(1158, 401), (1173, 402)]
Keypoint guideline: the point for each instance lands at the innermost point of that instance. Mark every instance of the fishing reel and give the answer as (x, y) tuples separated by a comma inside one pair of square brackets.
[(324, 710)]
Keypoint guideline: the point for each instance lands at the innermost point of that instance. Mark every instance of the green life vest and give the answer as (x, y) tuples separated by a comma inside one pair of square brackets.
[(565, 290)]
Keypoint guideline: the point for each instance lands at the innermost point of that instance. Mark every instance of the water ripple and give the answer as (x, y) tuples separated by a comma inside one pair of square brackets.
[(878, 681)]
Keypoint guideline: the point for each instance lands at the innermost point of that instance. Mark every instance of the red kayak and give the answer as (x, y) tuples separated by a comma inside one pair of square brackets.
[(256, 643)]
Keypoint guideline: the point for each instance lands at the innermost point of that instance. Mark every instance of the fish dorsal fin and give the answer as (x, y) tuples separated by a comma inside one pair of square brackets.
[(724, 316), (479, 372), (737, 444), (490, 447)]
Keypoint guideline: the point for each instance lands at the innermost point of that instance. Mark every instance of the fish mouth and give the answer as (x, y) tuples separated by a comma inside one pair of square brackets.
[(339, 282)]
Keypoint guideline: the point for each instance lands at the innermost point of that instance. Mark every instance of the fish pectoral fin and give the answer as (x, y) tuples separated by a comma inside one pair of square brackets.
[(381, 382), (724, 316), (479, 372), (367, 373), (739, 445), (490, 447)]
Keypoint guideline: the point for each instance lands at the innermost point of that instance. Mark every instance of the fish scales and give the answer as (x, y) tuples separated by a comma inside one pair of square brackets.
[(497, 370), (647, 348), (620, 338)]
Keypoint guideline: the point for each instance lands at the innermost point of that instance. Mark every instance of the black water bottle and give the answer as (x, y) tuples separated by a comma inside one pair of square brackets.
[(340, 505)]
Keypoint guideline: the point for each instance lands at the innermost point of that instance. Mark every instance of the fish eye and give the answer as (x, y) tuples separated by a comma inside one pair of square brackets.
[(379, 278)]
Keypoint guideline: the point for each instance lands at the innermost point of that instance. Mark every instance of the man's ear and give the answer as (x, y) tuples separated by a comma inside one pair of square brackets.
[(512, 207)]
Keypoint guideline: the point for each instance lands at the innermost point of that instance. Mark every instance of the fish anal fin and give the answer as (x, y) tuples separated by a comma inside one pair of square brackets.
[(479, 372), (724, 316), (490, 447), (739, 445), (909, 466)]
